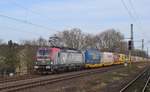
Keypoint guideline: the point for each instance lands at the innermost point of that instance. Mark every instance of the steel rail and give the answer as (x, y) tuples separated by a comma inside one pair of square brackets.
[(144, 89), (134, 80), (31, 83)]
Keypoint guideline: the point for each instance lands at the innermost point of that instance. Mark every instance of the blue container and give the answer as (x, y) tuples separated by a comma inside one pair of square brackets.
[(92, 56)]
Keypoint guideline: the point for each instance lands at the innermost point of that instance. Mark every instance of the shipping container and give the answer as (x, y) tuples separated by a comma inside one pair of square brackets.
[(92, 58), (116, 58), (107, 58), (122, 58), (133, 59)]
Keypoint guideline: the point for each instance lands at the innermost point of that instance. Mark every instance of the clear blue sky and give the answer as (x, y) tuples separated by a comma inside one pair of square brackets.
[(91, 16)]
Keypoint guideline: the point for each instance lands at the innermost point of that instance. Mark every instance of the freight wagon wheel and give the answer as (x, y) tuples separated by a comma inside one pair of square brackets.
[(53, 71), (43, 73)]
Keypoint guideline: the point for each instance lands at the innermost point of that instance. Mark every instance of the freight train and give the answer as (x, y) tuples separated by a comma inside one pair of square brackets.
[(55, 59)]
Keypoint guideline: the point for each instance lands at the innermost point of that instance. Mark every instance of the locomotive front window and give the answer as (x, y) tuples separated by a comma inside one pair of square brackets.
[(43, 52)]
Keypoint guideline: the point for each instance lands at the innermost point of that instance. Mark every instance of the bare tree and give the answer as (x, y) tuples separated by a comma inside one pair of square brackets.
[(42, 42), (72, 38), (38, 42), (89, 41), (109, 40)]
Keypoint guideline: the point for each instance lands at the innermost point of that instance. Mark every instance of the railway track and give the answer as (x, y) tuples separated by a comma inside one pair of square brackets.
[(140, 84), (147, 86), (16, 78), (24, 84)]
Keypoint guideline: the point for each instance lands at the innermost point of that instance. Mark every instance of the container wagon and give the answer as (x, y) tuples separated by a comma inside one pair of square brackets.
[(116, 58), (92, 58), (122, 58), (107, 58)]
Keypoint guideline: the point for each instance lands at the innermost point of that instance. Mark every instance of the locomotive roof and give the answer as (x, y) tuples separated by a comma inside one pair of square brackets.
[(67, 48), (62, 48), (41, 48)]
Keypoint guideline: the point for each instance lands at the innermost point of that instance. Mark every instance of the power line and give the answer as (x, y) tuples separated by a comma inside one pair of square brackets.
[(21, 31), (30, 10), (128, 10), (142, 44), (136, 16), (133, 14), (134, 10), (33, 35), (25, 22), (139, 23)]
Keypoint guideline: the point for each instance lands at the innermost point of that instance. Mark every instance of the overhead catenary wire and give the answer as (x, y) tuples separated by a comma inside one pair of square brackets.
[(133, 15), (128, 10), (30, 33), (30, 10), (134, 10), (22, 32), (26, 22), (137, 16), (139, 22)]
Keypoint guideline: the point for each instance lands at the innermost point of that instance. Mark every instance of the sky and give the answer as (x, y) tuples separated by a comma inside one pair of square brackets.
[(48, 17)]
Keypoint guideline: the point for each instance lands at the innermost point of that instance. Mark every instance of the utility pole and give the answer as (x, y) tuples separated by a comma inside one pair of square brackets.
[(143, 48), (132, 44), (147, 54), (142, 44), (132, 36)]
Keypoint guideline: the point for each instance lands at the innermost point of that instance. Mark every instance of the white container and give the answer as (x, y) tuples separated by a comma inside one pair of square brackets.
[(107, 58)]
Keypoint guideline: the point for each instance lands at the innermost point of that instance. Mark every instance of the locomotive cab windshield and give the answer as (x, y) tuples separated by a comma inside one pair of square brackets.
[(43, 57), (43, 52)]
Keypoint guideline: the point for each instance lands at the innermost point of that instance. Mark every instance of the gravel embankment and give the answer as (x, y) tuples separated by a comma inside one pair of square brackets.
[(102, 82)]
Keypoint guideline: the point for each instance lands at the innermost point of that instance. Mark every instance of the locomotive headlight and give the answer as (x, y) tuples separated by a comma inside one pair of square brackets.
[(36, 67), (48, 67), (36, 63)]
